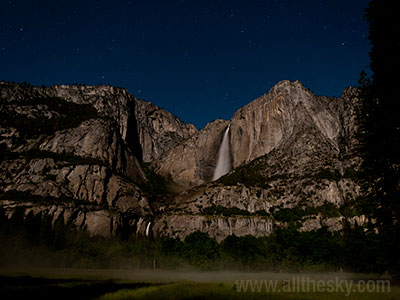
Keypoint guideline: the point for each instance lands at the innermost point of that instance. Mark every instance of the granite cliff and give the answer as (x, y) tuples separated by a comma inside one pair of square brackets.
[(75, 151), (294, 159), (83, 154)]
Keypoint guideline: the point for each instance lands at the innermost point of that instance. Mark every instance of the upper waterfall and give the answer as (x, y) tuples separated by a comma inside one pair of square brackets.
[(224, 157)]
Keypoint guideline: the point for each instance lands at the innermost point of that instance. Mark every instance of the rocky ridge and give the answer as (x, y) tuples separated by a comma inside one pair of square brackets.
[(63, 145), (293, 153), (76, 152)]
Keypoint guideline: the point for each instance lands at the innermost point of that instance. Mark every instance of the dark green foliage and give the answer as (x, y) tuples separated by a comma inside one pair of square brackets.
[(351, 208), (328, 210), (170, 246), (262, 213), (288, 214), (224, 211), (379, 123), (294, 249), (362, 251), (248, 252), (200, 250), (70, 115), (296, 213), (328, 174), (351, 174), (217, 210), (34, 239), (249, 175)]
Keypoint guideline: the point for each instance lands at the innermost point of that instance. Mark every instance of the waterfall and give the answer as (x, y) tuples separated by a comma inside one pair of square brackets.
[(148, 229), (224, 157)]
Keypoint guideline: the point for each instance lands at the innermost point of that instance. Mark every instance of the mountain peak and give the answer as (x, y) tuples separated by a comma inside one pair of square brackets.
[(287, 84), (85, 142)]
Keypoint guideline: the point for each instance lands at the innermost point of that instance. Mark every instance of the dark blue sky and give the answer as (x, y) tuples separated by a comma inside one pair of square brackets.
[(199, 59)]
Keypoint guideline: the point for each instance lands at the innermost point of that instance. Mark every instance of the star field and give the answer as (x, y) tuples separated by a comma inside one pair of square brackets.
[(201, 60)]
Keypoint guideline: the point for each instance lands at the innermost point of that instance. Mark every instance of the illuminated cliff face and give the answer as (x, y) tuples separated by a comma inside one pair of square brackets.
[(76, 152), (255, 130)]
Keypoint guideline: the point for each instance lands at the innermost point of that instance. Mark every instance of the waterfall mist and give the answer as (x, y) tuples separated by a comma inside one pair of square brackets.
[(224, 158)]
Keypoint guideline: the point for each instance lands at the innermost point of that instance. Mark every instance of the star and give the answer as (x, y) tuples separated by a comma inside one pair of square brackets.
[(218, 45)]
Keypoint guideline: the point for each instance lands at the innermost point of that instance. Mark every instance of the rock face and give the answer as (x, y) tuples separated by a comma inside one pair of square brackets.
[(81, 144), (75, 152), (258, 128), (263, 124), (179, 226), (193, 161), (159, 131), (294, 159), (98, 139)]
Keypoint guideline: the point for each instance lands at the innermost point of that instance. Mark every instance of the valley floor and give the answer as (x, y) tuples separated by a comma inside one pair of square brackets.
[(163, 284)]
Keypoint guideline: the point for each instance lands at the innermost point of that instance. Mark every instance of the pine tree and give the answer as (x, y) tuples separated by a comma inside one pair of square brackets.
[(380, 129)]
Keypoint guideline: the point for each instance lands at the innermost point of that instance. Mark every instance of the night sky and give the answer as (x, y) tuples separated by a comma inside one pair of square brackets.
[(199, 59)]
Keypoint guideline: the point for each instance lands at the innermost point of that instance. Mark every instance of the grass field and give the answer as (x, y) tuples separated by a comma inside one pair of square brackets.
[(149, 284)]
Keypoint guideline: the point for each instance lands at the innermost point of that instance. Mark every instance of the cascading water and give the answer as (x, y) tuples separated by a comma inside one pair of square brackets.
[(224, 157), (148, 229)]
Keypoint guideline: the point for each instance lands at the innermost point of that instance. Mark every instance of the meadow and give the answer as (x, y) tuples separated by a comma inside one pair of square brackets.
[(165, 284)]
